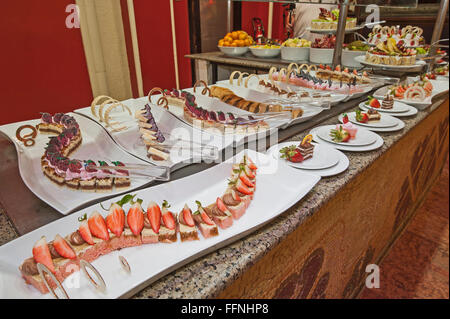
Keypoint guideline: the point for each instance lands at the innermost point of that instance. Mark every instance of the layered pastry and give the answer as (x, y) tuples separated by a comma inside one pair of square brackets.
[(62, 170), (328, 20), (411, 36), (306, 148), (388, 102), (373, 115), (391, 52), (151, 135), (321, 78), (97, 235), (416, 91)]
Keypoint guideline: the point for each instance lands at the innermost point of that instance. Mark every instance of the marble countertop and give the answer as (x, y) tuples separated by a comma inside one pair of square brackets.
[(207, 276)]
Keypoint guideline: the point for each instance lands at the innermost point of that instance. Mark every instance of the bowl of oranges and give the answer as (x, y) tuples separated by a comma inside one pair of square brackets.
[(235, 43)]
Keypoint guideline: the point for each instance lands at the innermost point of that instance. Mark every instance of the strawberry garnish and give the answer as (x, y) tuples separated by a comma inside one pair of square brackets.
[(235, 195), (203, 214), (63, 248), (115, 221), (97, 226), (345, 118), (292, 154), (373, 102), (242, 188), (245, 179), (361, 117), (248, 172), (135, 218), (85, 232), (339, 135), (167, 216), (250, 164), (187, 216), (154, 216), (41, 254), (221, 205)]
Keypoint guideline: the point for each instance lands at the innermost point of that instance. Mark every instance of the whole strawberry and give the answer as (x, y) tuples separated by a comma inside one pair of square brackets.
[(292, 154)]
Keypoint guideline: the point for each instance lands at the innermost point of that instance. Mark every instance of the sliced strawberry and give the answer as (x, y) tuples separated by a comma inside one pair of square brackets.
[(187, 216), (85, 232), (205, 217), (97, 226), (154, 216), (221, 205), (345, 136), (168, 218), (251, 165), (135, 218), (338, 68), (249, 172), (116, 219), (235, 195), (242, 188), (245, 179), (63, 248), (41, 254)]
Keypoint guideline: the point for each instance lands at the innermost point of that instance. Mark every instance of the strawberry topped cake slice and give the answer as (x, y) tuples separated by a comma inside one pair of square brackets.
[(204, 223), (168, 229), (121, 182), (186, 225)]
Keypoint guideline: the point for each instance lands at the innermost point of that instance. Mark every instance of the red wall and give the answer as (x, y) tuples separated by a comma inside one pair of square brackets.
[(155, 43), (43, 67)]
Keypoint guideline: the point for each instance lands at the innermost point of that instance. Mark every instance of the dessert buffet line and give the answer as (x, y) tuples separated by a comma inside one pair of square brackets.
[(113, 147)]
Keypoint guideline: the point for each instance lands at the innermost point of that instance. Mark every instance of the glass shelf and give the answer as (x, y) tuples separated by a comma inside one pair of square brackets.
[(361, 3)]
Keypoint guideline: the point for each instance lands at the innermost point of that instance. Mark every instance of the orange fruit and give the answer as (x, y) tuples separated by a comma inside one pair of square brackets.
[(247, 42), (242, 36), (233, 44), (228, 35), (234, 35), (228, 39)]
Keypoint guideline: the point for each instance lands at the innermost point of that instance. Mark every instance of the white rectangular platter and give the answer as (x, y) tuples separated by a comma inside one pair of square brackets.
[(275, 180), (96, 145), (172, 128)]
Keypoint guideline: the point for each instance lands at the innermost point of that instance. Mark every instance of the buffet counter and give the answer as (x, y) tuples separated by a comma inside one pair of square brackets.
[(319, 247)]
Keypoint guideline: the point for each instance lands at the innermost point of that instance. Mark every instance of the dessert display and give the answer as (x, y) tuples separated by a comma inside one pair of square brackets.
[(416, 91), (104, 115), (328, 20), (441, 70), (97, 235), (228, 96), (391, 52), (226, 123), (151, 135), (73, 173), (296, 43), (321, 78), (411, 36), (236, 39)]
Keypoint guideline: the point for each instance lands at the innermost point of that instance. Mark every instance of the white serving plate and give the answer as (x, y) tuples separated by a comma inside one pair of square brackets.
[(233, 51), (265, 53), (410, 112), (376, 145), (151, 262), (340, 167), (96, 145), (172, 127), (363, 137), (398, 107), (385, 121), (415, 67), (323, 157), (400, 125), (252, 94)]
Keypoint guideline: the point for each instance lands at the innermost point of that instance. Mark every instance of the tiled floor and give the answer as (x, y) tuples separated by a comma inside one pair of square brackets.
[(417, 266)]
